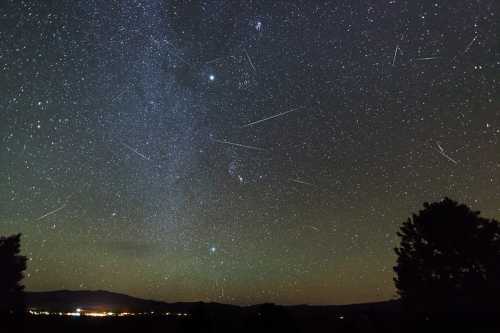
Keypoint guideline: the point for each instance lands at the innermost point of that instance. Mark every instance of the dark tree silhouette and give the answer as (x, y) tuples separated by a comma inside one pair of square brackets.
[(12, 265), (448, 260)]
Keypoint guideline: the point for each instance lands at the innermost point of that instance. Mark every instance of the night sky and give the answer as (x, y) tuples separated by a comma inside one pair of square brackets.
[(240, 152)]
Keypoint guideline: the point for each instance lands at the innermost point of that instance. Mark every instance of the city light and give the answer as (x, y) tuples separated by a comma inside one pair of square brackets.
[(79, 312)]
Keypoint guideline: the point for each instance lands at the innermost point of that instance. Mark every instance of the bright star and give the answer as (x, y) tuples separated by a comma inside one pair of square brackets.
[(211, 77)]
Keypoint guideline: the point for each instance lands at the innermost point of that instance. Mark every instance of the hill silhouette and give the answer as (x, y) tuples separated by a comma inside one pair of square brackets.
[(69, 300)]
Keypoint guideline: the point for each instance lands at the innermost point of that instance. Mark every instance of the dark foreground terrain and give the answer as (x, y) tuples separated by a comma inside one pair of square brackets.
[(266, 318), (58, 324), (280, 321), (215, 317)]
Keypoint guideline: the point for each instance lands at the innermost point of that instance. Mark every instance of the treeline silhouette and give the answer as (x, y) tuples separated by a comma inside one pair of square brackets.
[(12, 266), (447, 267), (448, 261)]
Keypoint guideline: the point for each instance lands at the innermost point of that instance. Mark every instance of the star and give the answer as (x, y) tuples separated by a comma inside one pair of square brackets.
[(258, 25)]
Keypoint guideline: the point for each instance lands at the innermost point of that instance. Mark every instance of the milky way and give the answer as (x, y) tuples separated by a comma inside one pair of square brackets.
[(240, 152)]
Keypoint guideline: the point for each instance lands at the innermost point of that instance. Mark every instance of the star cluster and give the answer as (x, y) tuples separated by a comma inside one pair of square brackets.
[(240, 151)]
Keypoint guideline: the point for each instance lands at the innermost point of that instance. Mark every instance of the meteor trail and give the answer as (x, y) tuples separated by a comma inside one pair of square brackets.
[(136, 151), (448, 157), (271, 117), (239, 145), (395, 54), (470, 44), (427, 58), (249, 60), (441, 151), (298, 181), (50, 213)]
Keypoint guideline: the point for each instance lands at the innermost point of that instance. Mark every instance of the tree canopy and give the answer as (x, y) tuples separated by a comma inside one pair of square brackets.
[(12, 265), (448, 260)]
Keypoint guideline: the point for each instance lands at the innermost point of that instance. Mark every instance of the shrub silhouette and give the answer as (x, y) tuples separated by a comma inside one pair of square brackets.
[(12, 266), (448, 260)]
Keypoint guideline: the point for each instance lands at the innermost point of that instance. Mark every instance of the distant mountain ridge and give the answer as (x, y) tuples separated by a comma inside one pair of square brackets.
[(68, 300)]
